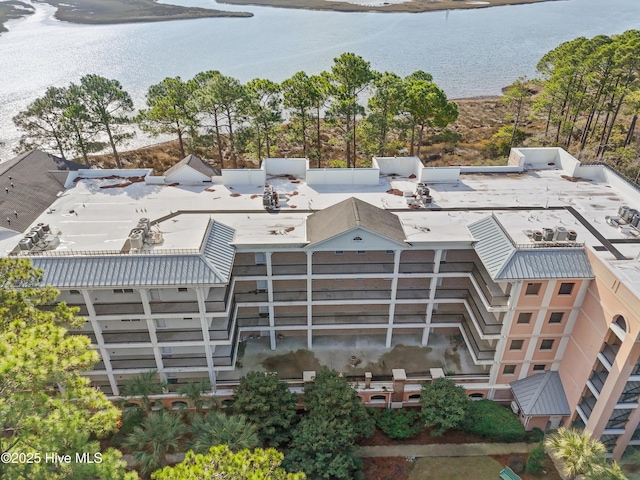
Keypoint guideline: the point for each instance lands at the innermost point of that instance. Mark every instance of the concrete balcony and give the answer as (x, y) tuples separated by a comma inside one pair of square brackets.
[(174, 307), (215, 307), (415, 293), (597, 380), (140, 336), (183, 360), (250, 297), (456, 267), (165, 335), (133, 362), (416, 267), (249, 270), (492, 292), (253, 321), (608, 355), (289, 269), (292, 296), (352, 268), (482, 350), (326, 294), (350, 319), (218, 335), (118, 308), (292, 320)]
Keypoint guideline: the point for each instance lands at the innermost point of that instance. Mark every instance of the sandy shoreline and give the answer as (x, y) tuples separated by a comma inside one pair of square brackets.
[(11, 10), (410, 6)]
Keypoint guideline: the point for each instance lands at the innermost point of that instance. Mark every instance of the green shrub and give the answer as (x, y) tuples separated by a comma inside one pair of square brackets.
[(534, 436), (399, 424), (535, 462), (492, 420)]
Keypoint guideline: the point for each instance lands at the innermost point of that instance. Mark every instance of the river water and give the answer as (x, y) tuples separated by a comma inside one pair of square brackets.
[(469, 53)]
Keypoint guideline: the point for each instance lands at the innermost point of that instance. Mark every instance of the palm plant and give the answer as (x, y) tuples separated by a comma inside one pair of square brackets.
[(194, 392), (216, 428), (614, 472), (580, 453), (159, 434), (144, 385)]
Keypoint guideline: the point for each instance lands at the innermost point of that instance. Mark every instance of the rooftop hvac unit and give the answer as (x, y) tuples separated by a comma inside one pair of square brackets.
[(33, 236), (561, 234), (25, 244), (547, 234), (514, 407), (45, 227), (537, 235), (613, 221), (136, 239), (622, 210), (629, 214), (572, 235), (38, 230), (635, 220), (143, 226)]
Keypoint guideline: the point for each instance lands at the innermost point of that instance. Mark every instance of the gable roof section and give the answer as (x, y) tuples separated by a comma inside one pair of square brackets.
[(349, 214), (541, 394), (196, 164), (493, 245), (504, 261), (37, 178), (547, 263), (211, 266)]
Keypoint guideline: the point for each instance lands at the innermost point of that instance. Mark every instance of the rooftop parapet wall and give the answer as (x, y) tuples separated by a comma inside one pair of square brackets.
[(296, 167), (343, 176), (99, 173)]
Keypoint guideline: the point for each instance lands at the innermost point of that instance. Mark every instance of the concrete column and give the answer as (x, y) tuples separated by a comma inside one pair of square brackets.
[(399, 380), (309, 298), (205, 335), (144, 295)]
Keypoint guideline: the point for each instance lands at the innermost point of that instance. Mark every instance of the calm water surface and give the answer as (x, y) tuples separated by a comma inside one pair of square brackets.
[(469, 53)]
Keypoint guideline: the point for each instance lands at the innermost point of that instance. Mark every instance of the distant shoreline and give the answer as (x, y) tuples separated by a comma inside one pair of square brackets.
[(410, 6), (100, 12)]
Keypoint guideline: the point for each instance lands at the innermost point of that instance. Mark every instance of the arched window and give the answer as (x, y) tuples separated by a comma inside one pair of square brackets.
[(476, 396), (620, 322), (357, 239), (414, 398), (378, 399), (178, 405)]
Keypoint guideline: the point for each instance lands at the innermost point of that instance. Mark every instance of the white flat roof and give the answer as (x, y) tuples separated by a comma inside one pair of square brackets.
[(91, 218)]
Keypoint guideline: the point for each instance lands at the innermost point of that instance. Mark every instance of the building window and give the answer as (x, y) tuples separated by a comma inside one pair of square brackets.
[(546, 344), (357, 239), (390, 252), (516, 344), (539, 368), (183, 289), (339, 252), (123, 290), (509, 369), (566, 288), (524, 317), (74, 292), (361, 252), (533, 288), (619, 321), (556, 317)]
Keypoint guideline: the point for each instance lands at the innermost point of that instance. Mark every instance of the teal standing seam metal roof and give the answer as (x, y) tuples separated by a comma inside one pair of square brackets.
[(212, 265), (504, 261)]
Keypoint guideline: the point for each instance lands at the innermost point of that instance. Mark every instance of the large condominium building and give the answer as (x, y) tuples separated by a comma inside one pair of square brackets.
[(521, 283)]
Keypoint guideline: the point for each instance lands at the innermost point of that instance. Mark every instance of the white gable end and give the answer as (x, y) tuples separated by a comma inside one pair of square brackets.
[(187, 176), (358, 239)]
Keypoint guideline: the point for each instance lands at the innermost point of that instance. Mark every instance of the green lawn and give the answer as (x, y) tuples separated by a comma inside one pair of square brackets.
[(455, 468)]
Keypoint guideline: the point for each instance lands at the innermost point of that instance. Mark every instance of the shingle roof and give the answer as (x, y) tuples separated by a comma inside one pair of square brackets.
[(541, 394), (37, 178), (197, 164), (211, 266), (504, 261), (352, 213)]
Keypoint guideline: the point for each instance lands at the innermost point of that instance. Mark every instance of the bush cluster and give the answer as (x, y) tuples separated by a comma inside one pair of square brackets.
[(493, 421), (398, 424), (535, 462)]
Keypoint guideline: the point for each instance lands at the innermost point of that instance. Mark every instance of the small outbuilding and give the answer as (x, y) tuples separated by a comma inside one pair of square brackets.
[(540, 401)]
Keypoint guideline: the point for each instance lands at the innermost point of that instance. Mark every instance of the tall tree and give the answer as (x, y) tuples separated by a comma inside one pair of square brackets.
[(581, 454), (427, 107), (517, 96), (268, 404), (171, 109), (384, 105), (45, 403), (350, 75), (107, 106), (298, 96), (208, 106), (323, 444), (263, 109), (319, 86), (42, 122), (223, 464)]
